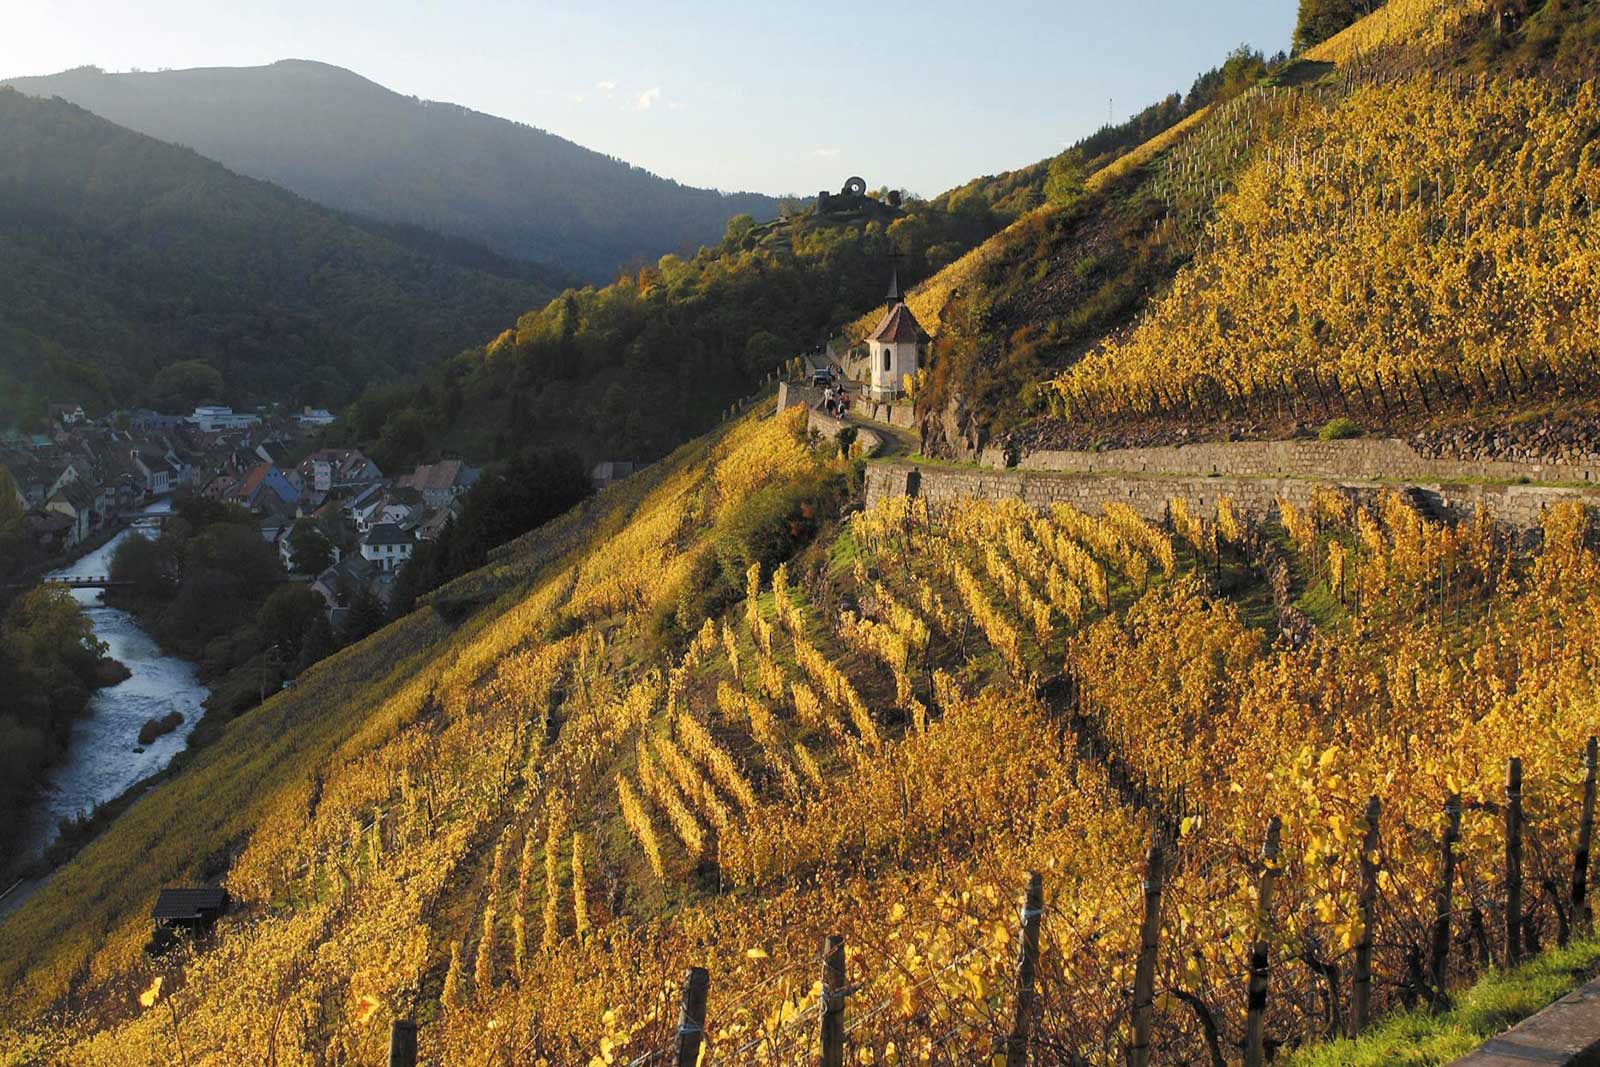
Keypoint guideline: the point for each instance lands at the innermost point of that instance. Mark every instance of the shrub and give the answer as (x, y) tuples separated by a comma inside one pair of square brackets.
[(1338, 429)]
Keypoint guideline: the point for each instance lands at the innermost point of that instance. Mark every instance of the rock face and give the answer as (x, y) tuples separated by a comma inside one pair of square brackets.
[(953, 433)]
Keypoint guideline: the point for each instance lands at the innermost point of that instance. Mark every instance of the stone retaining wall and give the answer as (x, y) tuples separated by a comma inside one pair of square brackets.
[(867, 441), (1364, 459), (896, 413), (1512, 505)]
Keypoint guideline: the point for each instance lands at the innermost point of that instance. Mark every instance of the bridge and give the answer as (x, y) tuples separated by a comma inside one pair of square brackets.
[(82, 581)]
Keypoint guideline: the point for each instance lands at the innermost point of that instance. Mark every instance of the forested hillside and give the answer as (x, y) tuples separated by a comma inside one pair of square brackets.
[(629, 370), (521, 191), (121, 256)]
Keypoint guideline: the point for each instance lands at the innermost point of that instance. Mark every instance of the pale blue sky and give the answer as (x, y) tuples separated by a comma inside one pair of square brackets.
[(732, 95)]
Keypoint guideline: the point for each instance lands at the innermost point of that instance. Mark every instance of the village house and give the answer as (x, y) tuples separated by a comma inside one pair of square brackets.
[(387, 545), (440, 483), (276, 453), (338, 471), (67, 415), (314, 418), (335, 584), (265, 490), (213, 418), (75, 501), (158, 471)]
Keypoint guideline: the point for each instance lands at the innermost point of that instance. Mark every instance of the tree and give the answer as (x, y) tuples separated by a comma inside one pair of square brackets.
[(737, 230), (238, 551), (11, 529), (151, 565), (1321, 19), (365, 615), (309, 548), (287, 617), (527, 492), (52, 628), (180, 386), (317, 644), (1064, 183)]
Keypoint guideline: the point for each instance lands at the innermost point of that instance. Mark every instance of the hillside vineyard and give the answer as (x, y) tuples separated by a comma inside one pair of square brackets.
[(535, 834), (730, 765), (1372, 246)]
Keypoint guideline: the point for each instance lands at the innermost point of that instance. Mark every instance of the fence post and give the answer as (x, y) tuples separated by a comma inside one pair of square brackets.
[(1513, 946), (1361, 981), (833, 1001), (1027, 965), (1256, 998), (1580, 855), (1441, 902), (692, 1017), (1144, 974), (403, 1043)]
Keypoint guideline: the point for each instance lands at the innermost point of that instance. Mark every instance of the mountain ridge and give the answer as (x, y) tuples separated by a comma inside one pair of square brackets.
[(348, 142), (124, 254)]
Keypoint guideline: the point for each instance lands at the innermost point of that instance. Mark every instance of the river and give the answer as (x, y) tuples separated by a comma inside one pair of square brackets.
[(101, 762)]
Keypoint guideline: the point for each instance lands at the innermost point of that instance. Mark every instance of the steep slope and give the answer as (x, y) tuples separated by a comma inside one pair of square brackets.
[(679, 735), (1236, 211), (341, 140), (121, 255)]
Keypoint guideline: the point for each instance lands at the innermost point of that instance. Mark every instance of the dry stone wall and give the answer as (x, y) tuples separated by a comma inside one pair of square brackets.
[(1368, 459), (1148, 494)]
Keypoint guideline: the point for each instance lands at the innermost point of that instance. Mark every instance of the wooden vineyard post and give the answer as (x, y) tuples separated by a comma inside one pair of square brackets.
[(1513, 946), (403, 1043), (1027, 967), (1580, 854), (1144, 974), (1256, 992), (1361, 981), (1440, 955), (832, 1007), (692, 1018)]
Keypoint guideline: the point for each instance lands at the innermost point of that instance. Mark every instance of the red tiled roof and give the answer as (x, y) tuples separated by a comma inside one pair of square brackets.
[(899, 326), (251, 481)]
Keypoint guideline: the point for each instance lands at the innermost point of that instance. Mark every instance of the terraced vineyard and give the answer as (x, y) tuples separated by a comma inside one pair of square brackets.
[(1420, 243), (544, 823)]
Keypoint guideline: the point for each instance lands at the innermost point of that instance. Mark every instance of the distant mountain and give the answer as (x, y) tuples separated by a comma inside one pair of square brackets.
[(343, 141), (121, 255)]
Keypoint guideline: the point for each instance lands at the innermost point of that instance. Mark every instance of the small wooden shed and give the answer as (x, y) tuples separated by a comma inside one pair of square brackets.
[(194, 910)]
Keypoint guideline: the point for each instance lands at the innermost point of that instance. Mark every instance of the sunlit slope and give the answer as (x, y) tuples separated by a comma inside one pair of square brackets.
[(273, 798), (90, 920), (628, 766), (1415, 26), (1428, 230)]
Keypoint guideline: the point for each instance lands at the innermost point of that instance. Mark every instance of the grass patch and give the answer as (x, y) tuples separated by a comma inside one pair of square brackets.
[(1498, 1000)]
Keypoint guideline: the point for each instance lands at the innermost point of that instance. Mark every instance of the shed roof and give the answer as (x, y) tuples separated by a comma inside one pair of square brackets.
[(189, 903)]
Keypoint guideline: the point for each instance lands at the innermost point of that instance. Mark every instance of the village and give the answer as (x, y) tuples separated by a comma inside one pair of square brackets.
[(82, 480)]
